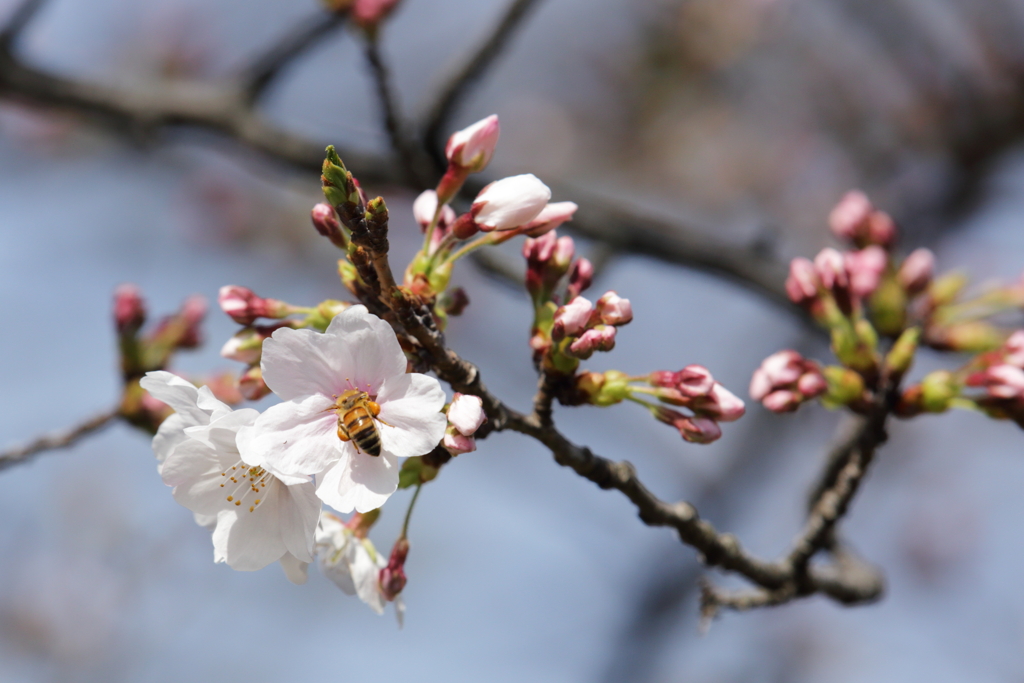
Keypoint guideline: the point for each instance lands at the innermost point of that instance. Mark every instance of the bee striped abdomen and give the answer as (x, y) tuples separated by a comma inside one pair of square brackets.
[(361, 429)]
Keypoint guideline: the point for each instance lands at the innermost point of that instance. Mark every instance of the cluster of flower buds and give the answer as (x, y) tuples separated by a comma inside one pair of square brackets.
[(693, 388), (845, 278), (785, 380), (465, 415), (590, 327), (1001, 374)]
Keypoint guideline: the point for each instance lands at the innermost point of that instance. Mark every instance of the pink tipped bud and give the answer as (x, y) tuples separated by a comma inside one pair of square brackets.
[(782, 401), (573, 318), (917, 270), (465, 227), (849, 218), (539, 250), (580, 278), (881, 229), (760, 385), (244, 306), (392, 577), (472, 148), (614, 310), (510, 202), (552, 216), (369, 13), (325, 220), (1001, 381), (1014, 349), (699, 430), (457, 444), (600, 338), (694, 381), (865, 268), (722, 405), (831, 269), (424, 208), (251, 384), (812, 384), (129, 309), (247, 345), (466, 413), (802, 283), (783, 367)]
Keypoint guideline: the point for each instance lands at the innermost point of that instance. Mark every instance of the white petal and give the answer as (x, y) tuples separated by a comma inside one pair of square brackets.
[(299, 512), (372, 345), (250, 540), (221, 433), (193, 469), (296, 437), (210, 404), (175, 391), (366, 576), (359, 482), (411, 404), (296, 570), (299, 363), (169, 435)]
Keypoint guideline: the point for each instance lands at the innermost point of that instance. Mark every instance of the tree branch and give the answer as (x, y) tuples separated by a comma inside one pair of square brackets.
[(20, 18), (61, 439), (269, 64), (458, 84)]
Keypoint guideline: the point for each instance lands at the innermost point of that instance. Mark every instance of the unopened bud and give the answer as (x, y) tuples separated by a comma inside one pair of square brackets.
[(424, 208), (831, 269), (251, 384), (600, 338), (453, 302), (325, 220), (552, 216), (466, 413), (472, 147), (721, 404), (581, 276), (192, 313), (916, 271), (811, 384), (881, 229), (510, 202), (246, 346), (802, 283), (603, 389), (782, 401), (973, 337), (244, 306), (901, 355), (368, 13), (938, 389), (456, 443), (572, 319), (865, 268), (849, 218), (946, 288), (614, 310), (129, 309), (845, 386), (392, 577)]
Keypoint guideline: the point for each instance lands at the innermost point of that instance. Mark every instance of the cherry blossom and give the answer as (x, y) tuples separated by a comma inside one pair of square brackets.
[(309, 371)]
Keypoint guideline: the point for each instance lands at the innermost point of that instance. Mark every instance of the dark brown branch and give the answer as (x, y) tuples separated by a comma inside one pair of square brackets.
[(393, 123), (268, 65), (467, 73), (61, 439)]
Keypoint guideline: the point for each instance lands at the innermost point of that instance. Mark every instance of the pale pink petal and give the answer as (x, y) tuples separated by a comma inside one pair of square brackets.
[(466, 413), (359, 482), (372, 346), (298, 363), (296, 437), (411, 406)]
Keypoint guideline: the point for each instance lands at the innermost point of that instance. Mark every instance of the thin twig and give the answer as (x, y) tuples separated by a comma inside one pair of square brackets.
[(269, 64), (61, 439), (467, 73), (393, 123)]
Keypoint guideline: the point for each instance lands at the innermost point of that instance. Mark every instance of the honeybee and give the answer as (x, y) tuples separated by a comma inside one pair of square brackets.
[(357, 418)]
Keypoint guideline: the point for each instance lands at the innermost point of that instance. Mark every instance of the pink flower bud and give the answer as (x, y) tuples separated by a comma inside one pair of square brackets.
[(466, 413), (251, 384), (881, 229), (865, 268), (539, 250), (694, 381), (916, 272), (244, 306), (325, 220), (425, 206), (663, 378), (1015, 349), (1001, 381), (392, 577), (831, 269), (192, 313), (550, 218), (812, 384), (457, 444), (783, 367), (510, 202), (561, 257), (600, 338), (614, 309), (129, 309), (472, 147), (849, 218), (760, 385), (580, 278), (573, 318), (699, 430), (465, 227), (369, 13), (782, 401), (246, 346), (723, 405), (802, 283)]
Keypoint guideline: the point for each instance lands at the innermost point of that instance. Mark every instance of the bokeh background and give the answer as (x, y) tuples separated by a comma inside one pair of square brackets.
[(747, 117)]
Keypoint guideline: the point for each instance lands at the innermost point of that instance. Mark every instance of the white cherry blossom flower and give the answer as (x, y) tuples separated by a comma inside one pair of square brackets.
[(311, 371), (260, 516), (193, 407), (353, 564)]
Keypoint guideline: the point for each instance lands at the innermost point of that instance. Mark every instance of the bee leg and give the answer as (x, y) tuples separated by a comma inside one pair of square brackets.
[(375, 411)]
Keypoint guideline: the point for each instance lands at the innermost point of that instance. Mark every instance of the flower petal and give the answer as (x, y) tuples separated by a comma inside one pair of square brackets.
[(359, 482), (411, 405), (299, 363), (300, 511), (373, 347), (296, 437), (248, 541), (296, 570)]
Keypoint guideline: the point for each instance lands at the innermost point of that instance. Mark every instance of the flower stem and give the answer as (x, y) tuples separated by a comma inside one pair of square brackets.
[(408, 513), (430, 228)]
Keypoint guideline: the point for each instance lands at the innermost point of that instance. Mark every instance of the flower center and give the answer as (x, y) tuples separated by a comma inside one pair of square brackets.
[(244, 481)]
